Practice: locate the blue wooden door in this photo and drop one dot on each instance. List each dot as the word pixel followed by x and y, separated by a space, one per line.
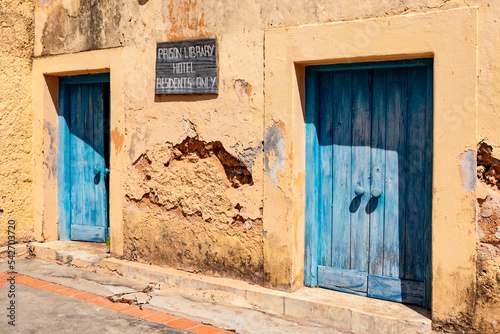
pixel 369 160
pixel 84 157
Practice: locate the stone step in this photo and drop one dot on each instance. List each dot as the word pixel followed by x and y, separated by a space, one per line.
pixel 21 251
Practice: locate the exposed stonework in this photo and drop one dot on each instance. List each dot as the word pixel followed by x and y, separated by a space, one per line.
pixel 487 308
pixel 183 211
pixel 488 166
pixel 236 171
pixel 487 299
pixel 488 194
pixel 16 129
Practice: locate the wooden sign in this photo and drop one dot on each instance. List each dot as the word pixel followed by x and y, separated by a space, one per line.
pixel 187 67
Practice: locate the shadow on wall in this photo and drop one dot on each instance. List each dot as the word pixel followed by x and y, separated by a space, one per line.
pixel 184 98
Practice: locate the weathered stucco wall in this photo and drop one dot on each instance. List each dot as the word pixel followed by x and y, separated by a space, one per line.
pixel 193 183
pixel 443 34
pixel 16 128
pixel 191 205
pixel 199 168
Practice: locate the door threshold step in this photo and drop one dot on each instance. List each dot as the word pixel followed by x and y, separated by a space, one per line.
pixel 75 253
pixel 344 312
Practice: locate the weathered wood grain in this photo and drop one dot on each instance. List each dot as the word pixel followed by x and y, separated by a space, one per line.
pixel 378 122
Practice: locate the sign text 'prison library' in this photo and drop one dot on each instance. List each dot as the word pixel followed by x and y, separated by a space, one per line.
pixel 187 67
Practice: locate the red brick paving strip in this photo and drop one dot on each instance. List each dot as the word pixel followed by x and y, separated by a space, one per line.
pixel 52 287
pixel 101 301
pixel 85 296
pixel 132 310
pixel 205 329
pixel 119 307
pixel 68 292
pixel 37 283
pixel 25 279
pixel 182 323
pixel 9 275
pixel 137 312
pixel 160 318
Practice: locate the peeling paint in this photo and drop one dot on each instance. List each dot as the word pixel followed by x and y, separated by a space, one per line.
pixel 44 2
pixel 190 129
pixel 248 154
pixel 274 152
pixel 51 158
pixel 117 139
pixel 184 210
pixel 180 23
pixel 468 170
pixel 243 88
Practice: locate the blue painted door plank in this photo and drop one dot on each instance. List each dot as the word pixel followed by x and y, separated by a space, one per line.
pixel 96 141
pixel 312 180
pixel 88 233
pixel 397 134
pixel 63 173
pixel 325 136
pixel 87 192
pixel 415 191
pixel 88 155
pixel 77 161
pixel 342 186
pixel 99 160
pixel 378 164
pixel 429 121
pixel 343 280
pixel 361 135
pixel 395 187
pixel 397 290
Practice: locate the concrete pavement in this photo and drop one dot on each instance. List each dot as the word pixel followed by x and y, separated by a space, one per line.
pixel 39 311
pixel 42 311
